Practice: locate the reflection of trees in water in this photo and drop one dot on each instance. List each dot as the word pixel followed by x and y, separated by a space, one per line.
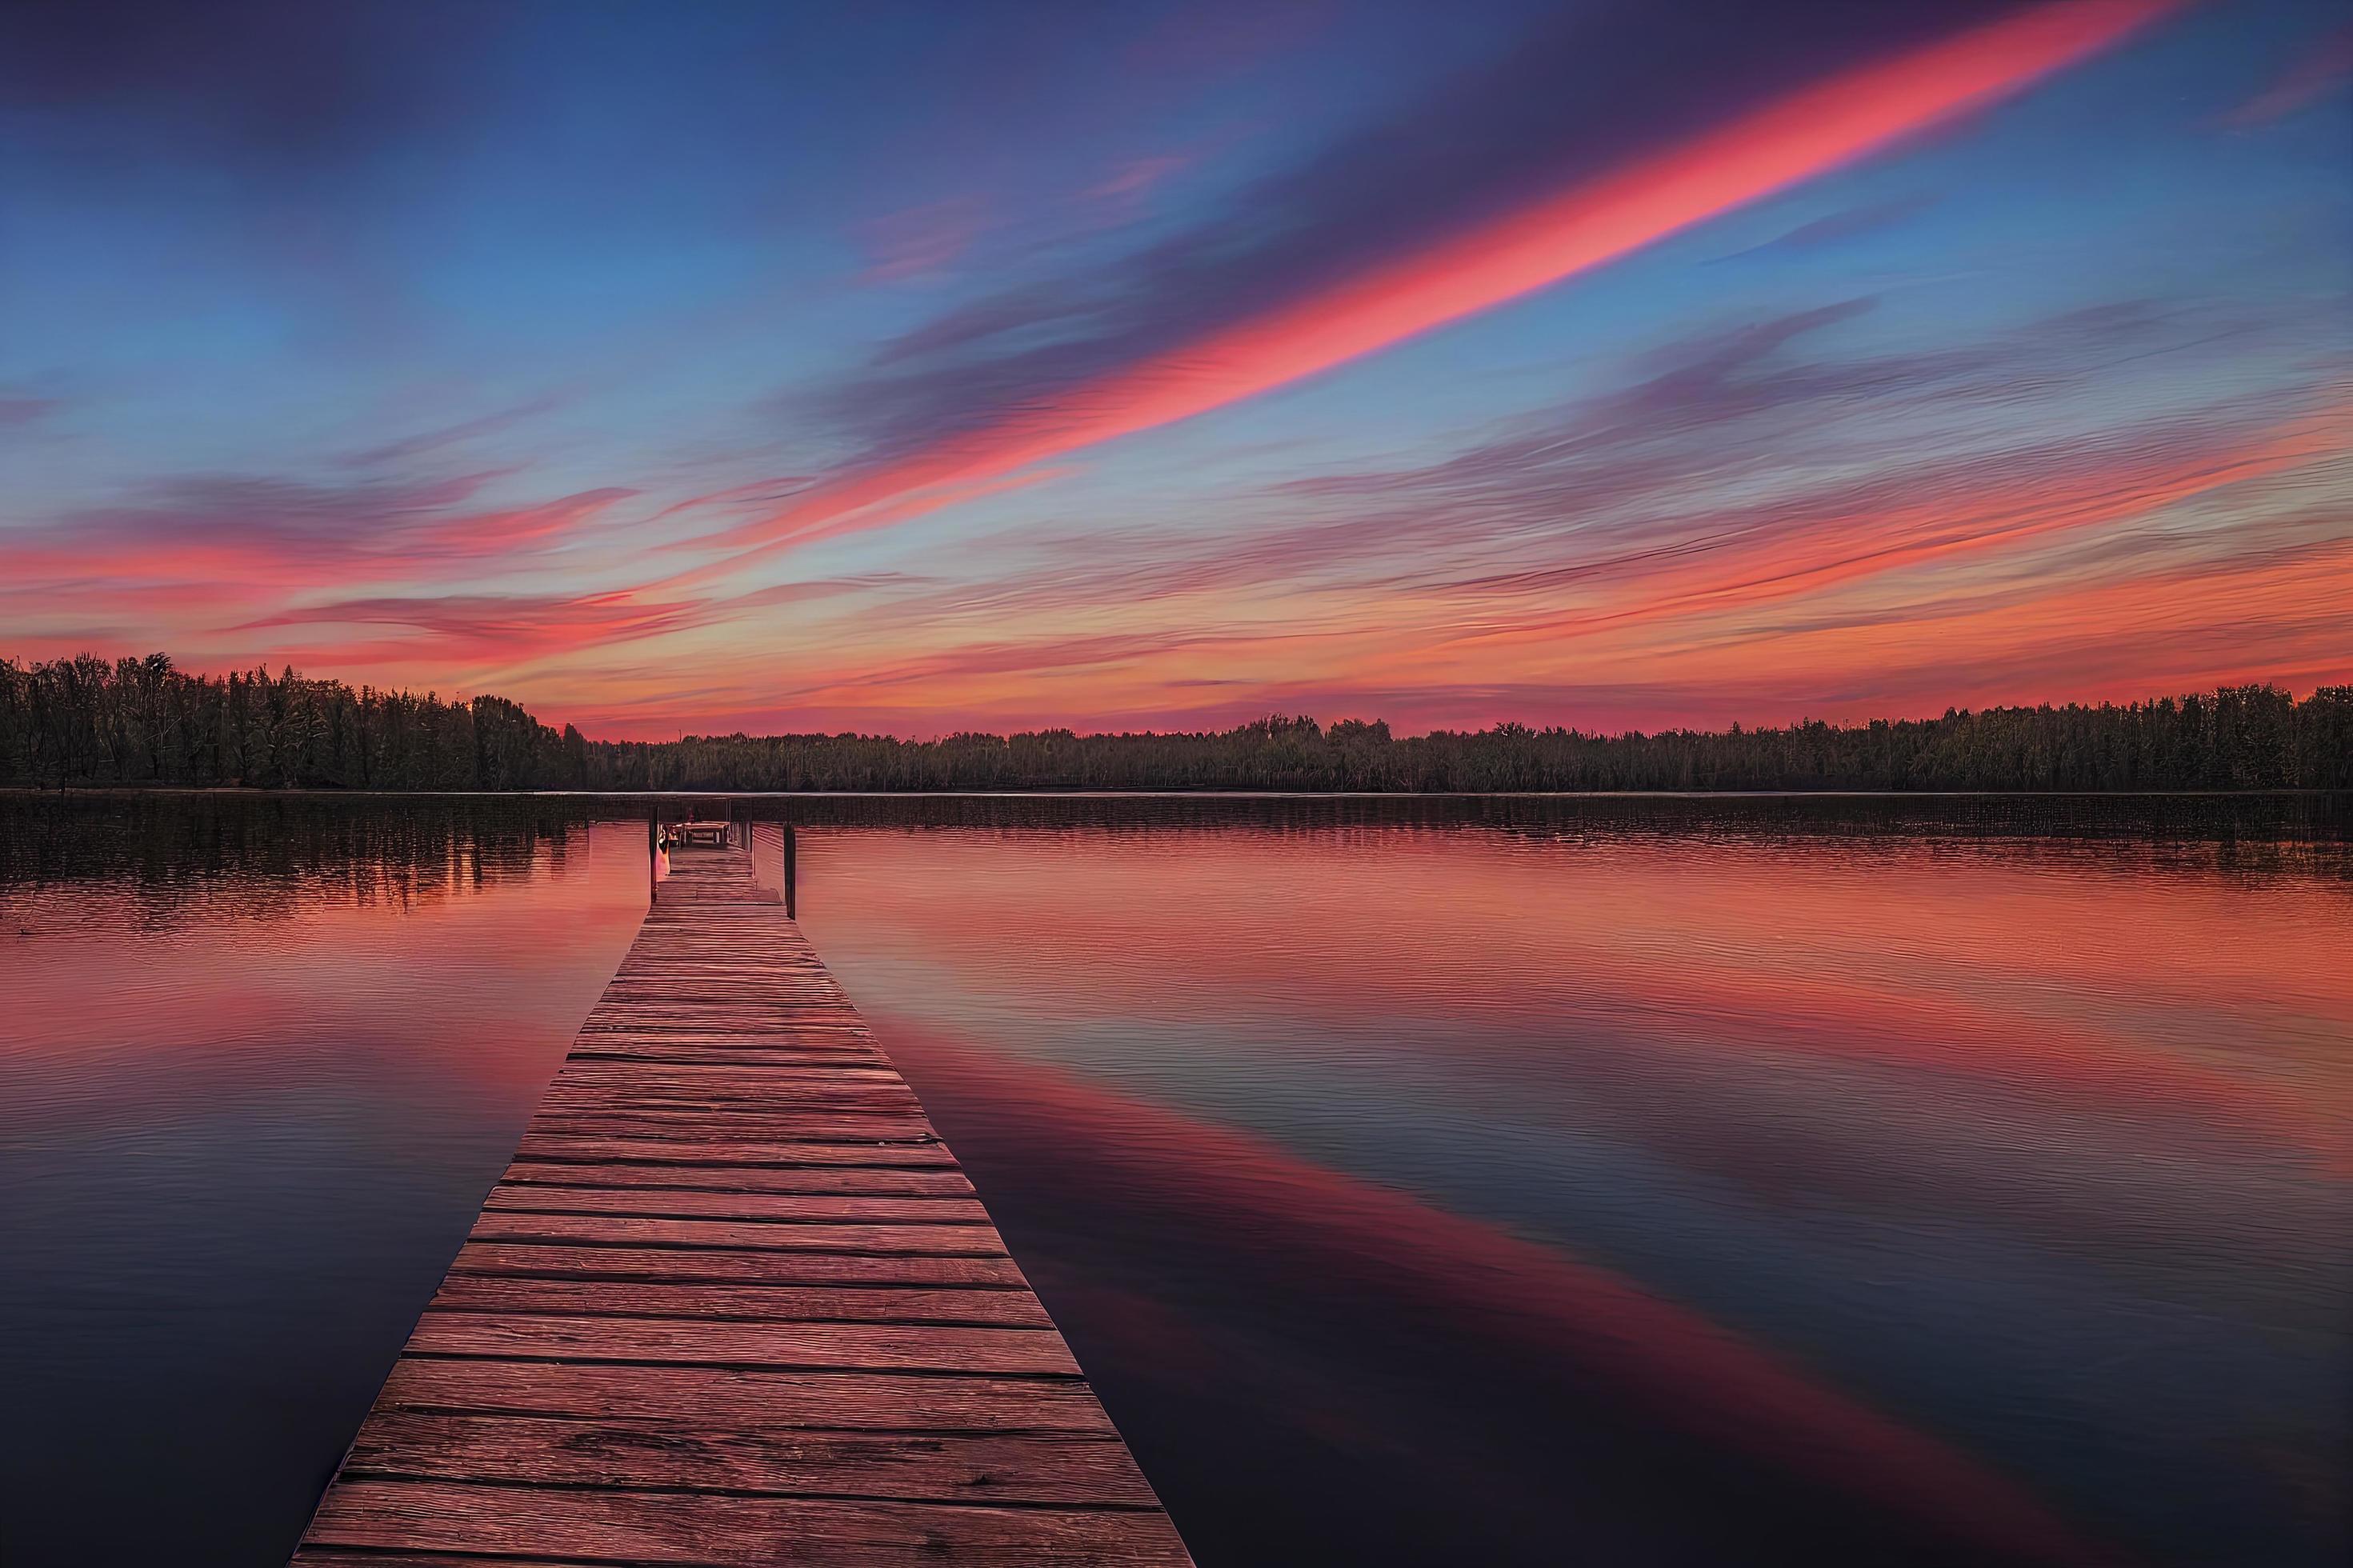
pixel 149 860
pixel 2255 818
pixel 154 862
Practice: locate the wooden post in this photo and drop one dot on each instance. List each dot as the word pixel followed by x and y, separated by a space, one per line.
pixel 653 857
pixel 791 869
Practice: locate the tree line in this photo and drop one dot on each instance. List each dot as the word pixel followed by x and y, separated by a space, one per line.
pixel 91 721
pixel 87 721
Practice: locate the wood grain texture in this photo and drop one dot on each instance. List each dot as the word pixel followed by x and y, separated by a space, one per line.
pixel 745 1398
pixel 810 1208
pixel 734 1302
pixel 613 1524
pixel 748 1303
pixel 681 1149
pixel 1076 1469
pixel 786 1344
pixel 742 1178
pixel 720 1266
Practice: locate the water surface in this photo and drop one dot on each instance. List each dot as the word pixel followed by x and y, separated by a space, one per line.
pixel 1493 1183
pixel 259 1062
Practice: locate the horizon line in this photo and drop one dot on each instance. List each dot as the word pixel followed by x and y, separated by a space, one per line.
pixel 461 698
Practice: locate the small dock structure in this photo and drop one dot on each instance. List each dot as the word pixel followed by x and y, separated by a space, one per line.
pixel 733 1304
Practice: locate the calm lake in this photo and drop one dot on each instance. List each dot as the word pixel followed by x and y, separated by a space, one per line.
pixel 1504 1182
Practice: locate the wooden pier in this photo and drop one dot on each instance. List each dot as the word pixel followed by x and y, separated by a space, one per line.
pixel 733 1304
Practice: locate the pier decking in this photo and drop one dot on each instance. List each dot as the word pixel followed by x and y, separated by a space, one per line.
pixel 733 1303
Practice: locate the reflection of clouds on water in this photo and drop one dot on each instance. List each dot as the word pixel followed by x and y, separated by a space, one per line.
pixel 1323 1228
pixel 1758 1180
pixel 256 1071
pixel 2036 1148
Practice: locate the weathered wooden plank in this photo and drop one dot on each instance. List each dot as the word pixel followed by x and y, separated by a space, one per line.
pixel 732 1302
pixel 653 1149
pixel 743 1080
pixel 898 1347
pixel 841 1094
pixel 750 1074
pixel 714 1265
pixel 780 1018
pixel 812 1048
pixel 812 1179
pixel 728 1531
pixel 1000 1308
pixel 625 1451
pixel 744 1235
pixel 861 1092
pixel 783 1019
pixel 655 1052
pixel 766 997
pixel 784 1015
pixel 745 1074
pixel 781 1126
pixel 736 1079
pixel 852 1111
pixel 778 993
pixel 817 1208
pixel 846 1097
pixel 747 1398
pixel 696 952
pixel 677 979
pixel 327 1557
pixel 801 1022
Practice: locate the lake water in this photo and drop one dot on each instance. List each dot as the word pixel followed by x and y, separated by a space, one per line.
pixel 1477 1182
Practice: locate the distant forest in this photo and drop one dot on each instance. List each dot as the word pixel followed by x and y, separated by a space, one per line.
pixel 88 721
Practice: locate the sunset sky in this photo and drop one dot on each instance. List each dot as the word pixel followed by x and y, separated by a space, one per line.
pixel 918 368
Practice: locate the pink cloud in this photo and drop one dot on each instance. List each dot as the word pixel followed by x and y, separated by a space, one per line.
pixel 1594 221
pixel 921 241
pixel 1134 180
pixel 2326 66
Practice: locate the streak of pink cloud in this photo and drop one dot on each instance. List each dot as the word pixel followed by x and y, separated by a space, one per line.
pixel 1595 221
pixel 920 241
pixel 1835 549
pixel 1134 179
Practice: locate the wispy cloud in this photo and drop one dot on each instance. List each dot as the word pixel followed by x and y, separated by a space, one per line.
pixel 465 629
pixel 203 554
pixel 1596 217
pixel 2325 67
pixel 1758 518
pixel 18 411
pixel 438 436
pixel 921 241
pixel 1835 229
pixel 1134 180
pixel 1938 479
pixel 263 530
